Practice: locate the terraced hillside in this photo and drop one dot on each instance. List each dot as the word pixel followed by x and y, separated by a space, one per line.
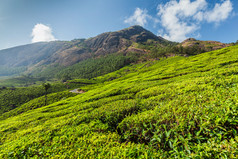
pixel 179 107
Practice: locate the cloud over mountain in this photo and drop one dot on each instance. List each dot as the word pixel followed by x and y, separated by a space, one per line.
pixel 181 18
pixel 41 32
pixel 219 13
pixel 140 17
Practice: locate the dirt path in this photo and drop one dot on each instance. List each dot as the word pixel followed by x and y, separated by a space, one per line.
pixel 77 91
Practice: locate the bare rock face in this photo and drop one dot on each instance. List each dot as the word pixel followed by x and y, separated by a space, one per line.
pixel 112 42
pixel 104 44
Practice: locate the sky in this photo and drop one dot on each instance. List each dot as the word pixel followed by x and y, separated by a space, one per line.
pixel 28 21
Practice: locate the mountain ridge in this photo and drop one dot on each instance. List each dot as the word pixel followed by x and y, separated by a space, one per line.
pixel 134 39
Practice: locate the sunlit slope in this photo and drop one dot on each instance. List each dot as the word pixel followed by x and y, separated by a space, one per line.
pixel 176 107
pixel 37 103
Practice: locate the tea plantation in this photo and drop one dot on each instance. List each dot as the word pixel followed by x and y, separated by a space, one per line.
pixel 179 107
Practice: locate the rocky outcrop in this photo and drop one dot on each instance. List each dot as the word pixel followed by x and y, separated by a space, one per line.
pixel 104 44
pixel 112 42
pixel 205 45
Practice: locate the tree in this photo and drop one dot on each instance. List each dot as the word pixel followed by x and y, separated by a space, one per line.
pixel 46 87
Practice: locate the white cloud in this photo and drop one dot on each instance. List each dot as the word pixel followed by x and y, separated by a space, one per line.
pixel 182 18
pixel 41 32
pixel 140 17
pixel 220 12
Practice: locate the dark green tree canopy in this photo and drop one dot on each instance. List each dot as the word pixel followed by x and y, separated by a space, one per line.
pixel 46 86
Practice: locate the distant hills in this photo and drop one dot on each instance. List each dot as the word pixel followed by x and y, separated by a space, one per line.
pixel 206 45
pixel 36 57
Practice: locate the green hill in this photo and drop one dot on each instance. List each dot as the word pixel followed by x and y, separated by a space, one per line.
pixel 178 107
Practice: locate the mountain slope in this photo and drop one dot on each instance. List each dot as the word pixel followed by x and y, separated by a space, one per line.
pixel 205 45
pixel 29 54
pixel 38 56
pixel 104 44
pixel 180 107
pixel 17 60
pixel 68 53
pixel 119 41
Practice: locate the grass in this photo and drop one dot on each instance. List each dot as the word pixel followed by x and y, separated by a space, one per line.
pixel 180 107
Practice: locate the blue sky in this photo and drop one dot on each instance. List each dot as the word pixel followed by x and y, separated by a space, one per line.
pixel 27 21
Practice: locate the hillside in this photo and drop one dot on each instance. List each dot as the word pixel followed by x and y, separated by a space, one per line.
pixel 17 60
pixel 67 53
pixel 205 45
pixel 177 107
pixel 13 97
pixel 136 44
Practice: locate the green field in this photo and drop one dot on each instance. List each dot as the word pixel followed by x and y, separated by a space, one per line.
pixel 178 107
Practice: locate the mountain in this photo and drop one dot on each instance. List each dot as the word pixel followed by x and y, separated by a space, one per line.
pixel 104 44
pixel 71 52
pixel 19 59
pixel 30 54
pixel 48 58
pixel 37 57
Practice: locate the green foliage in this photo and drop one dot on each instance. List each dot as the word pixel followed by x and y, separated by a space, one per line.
pixel 95 67
pixel 46 86
pixel 7 71
pixel 37 103
pixel 20 81
pixel 88 68
pixel 179 107
pixel 157 52
pixel 11 98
